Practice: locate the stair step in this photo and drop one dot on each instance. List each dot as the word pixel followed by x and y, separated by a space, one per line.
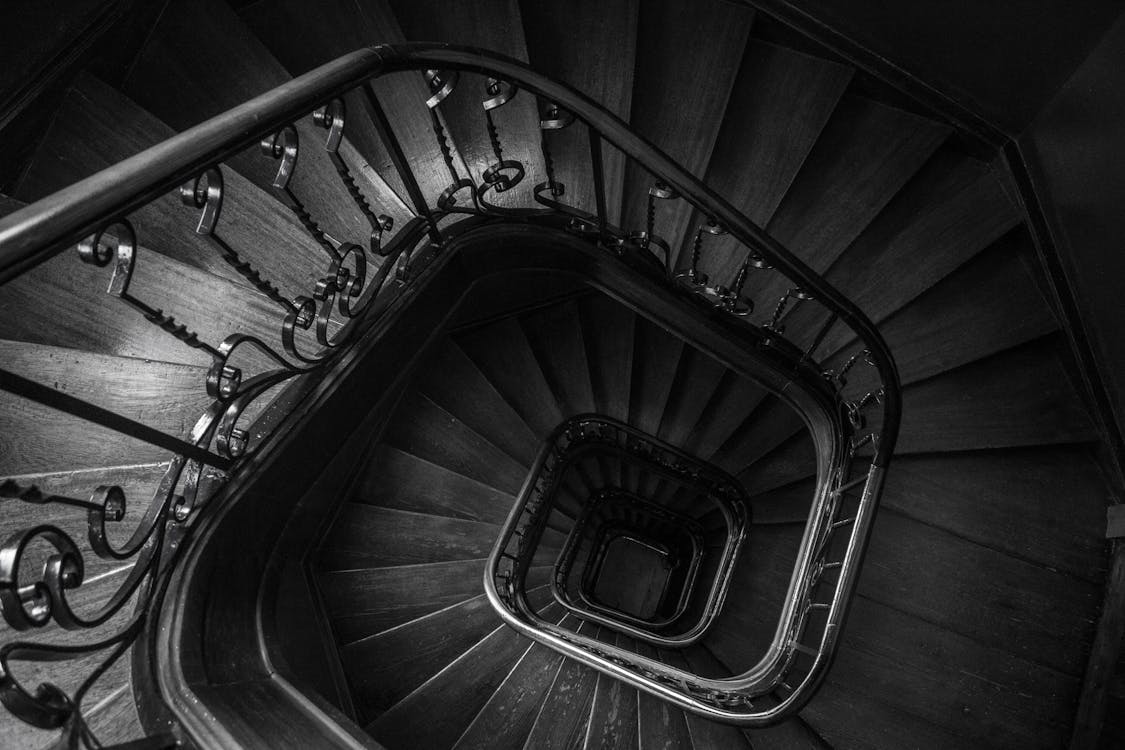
pixel 984 696
pixel 655 359
pixel 989 305
pixel 365 536
pixel 687 61
pixel 954 208
pixel 385 668
pixel 396 479
pixel 791 733
pixel 555 336
pixel 565 713
pixel 981 405
pixel 28 313
pixel 501 351
pixel 864 156
pixel 506 719
pixel 1013 605
pixel 456 694
pixel 844 716
pixel 973 407
pixel 696 381
pixel 451 380
pixel 1009 501
pixel 659 724
pixel 493 25
pixel 608 329
pixel 424 429
pixel 784 98
pixel 167 80
pixel 166 396
pixel 613 715
pixel 745 627
pixel 96 127
pixel 362 603
pixel 727 412
pixel 338 28
pixel 600 67
pixel 705 735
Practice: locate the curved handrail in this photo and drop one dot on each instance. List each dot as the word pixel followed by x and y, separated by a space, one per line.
pixel 32 234
pixel 103 201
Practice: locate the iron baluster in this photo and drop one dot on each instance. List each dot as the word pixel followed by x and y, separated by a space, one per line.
pixel 793 294
pixel 503 174
pixel 206 192
pixel 284 146
pixel 96 252
pixel 399 160
pixel 441 84
pixel 332 119
pixel 598 168
pixel 648 237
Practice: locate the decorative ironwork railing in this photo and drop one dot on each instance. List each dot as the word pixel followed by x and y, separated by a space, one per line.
pixel 360 275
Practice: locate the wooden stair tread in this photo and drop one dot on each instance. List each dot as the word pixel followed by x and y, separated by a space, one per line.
pixel 385 668
pixel 506 719
pixel 727 411
pixel 503 354
pixel 451 380
pixel 602 68
pixel 696 381
pixel 555 336
pixel 608 330
pixel 844 717
pixel 362 603
pixel 791 733
pixel 613 715
pixel 705 734
pixel 396 479
pixel 783 98
pixel 935 674
pixel 744 628
pixel 365 536
pixel 424 429
pixel 29 315
pixel 494 25
pixel 954 208
pixel 166 396
pixel 974 407
pixel 655 361
pixel 564 714
pixel 981 406
pixel 1009 501
pixel 864 156
pixel 989 305
pixel 338 28
pixel 659 725
pixel 456 694
pixel 97 127
pixel 167 81
pixel 686 63
pixel 1000 601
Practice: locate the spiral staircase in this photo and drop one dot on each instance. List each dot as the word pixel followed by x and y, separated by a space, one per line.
pixel 345 583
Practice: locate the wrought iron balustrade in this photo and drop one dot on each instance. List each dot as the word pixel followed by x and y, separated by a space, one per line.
pixel 356 283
